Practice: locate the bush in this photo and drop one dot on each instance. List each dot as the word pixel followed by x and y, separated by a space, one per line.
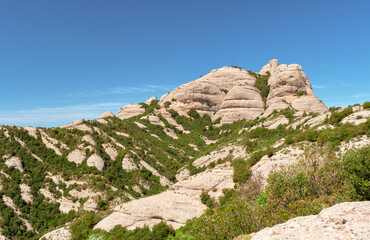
pixel 301 93
pixel 242 171
pixel 366 105
pixel 204 197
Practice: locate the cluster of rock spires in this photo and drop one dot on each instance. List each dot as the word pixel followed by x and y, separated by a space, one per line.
pixel 230 93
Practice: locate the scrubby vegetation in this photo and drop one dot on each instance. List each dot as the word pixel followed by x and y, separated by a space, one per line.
pixel 318 181
pixel 300 190
pixel 262 86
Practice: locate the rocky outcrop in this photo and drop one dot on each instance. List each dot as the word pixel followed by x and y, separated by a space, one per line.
pixel 230 93
pixel 130 111
pixel 95 161
pixel 284 157
pixel 128 164
pixel 241 102
pixel 58 234
pixel 290 85
pixel 175 206
pixel 88 138
pixel 349 220
pixel 76 156
pixel 79 124
pixel 14 162
pixel 110 150
pixel 357 117
pixel 149 100
pixel 106 114
pixel 206 94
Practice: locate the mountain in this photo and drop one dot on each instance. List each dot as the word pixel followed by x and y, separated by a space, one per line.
pixel 171 160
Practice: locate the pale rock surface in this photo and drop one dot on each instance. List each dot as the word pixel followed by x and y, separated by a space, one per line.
pixel 285 81
pixel 122 134
pixel 284 157
pixel 241 102
pixel 76 156
pixel 65 206
pixel 354 143
pixel 163 180
pixel 154 120
pixel 171 133
pixel 110 150
pixel 317 120
pixel 128 164
pixel 207 93
pixel 26 193
pixel 106 114
pixel 184 173
pixel 232 150
pixel 88 138
pixel 280 105
pixel 149 100
pixel 357 117
pixel 79 124
pixel 14 162
pixel 52 142
pixel 169 119
pixel 58 234
pixel 348 220
pixel 32 131
pixel 103 121
pixel 270 67
pixel 130 111
pixel 179 203
pixel 95 161
pixel 274 123
pixel 140 125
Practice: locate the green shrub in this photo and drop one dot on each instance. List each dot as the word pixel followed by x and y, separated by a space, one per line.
pixel 301 93
pixel 242 171
pixel 262 86
pixel 366 105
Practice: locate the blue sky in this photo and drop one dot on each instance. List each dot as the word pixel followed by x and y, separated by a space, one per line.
pixel 66 60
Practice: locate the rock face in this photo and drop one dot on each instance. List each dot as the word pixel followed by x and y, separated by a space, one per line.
pixel 242 101
pixel 79 124
pixel 230 93
pixel 179 203
pixel 130 111
pixel 76 156
pixel 95 161
pixel 14 162
pixel 290 86
pixel 58 234
pixel 349 220
pixel 107 114
pixel 206 94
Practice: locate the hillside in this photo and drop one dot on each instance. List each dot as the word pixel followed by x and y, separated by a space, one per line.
pixel 170 159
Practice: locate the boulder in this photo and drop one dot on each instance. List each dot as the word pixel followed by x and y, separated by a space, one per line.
pixel 76 156
pixel 348 220
pixel 149 100
pixel 289 84
pixel 241 102
pixel 95 161
pixel 128 164
pixel 179 203
pixel 130 111
pixel 14 162
pixel 106 114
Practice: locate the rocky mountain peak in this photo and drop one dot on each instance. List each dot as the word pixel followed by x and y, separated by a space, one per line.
pixel 270 67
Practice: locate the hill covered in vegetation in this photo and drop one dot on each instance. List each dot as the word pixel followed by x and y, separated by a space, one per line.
pixel 193 165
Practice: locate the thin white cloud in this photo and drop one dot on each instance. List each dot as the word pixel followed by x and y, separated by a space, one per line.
pixel 121 90
pixel 57 116
pixel 362 95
